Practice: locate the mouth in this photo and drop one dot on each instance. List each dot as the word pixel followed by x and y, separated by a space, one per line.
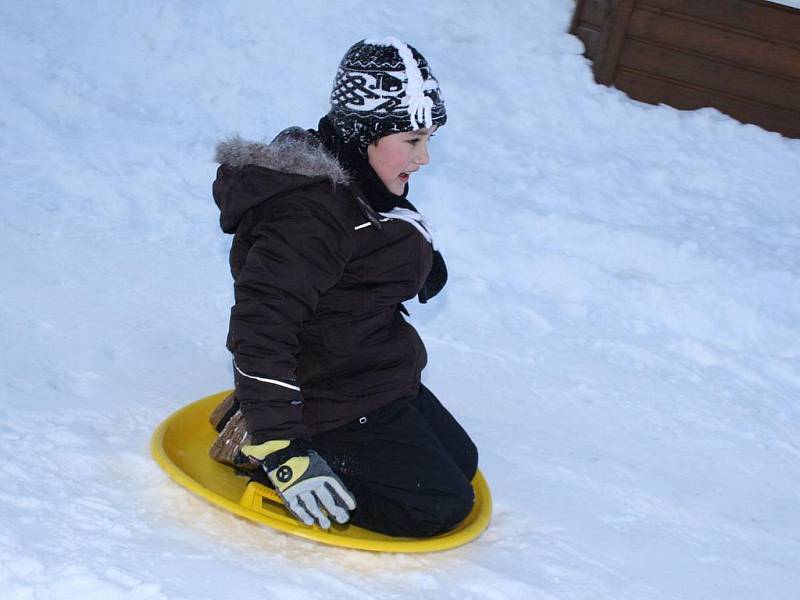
pixel 404 177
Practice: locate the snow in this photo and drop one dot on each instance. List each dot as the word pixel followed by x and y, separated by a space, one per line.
pixel 619 333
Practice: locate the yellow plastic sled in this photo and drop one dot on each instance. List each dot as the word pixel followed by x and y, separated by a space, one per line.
pixel 181 443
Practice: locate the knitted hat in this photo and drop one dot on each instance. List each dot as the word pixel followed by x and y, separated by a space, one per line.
pixel 383 87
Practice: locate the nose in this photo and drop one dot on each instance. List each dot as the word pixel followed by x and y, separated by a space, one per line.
pixel 422 157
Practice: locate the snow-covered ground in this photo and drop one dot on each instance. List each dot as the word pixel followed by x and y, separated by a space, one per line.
pixel 620 333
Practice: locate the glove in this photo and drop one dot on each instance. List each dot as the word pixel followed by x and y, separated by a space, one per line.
pixel 309 488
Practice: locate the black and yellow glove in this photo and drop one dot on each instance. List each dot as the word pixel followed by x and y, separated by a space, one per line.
pixel 309 488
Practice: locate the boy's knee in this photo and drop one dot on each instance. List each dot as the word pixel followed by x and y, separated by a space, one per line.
pixel 443 513
pixel 418 513
pixel 458 506
pixel 469 464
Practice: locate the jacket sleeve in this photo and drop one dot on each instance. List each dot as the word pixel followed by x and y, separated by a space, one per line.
pixel 299 252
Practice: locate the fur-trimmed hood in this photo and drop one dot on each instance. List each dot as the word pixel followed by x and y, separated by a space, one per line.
pixel 295 158
pixel 294 150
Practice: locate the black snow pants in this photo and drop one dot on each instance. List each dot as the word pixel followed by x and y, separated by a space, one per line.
pixel 409 465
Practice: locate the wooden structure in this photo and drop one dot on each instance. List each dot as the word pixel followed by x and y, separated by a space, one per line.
pixel 739 56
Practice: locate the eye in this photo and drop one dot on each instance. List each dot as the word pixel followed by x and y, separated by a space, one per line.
pixel 413 141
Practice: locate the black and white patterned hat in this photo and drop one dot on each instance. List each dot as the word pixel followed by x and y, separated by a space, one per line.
pixel 383 87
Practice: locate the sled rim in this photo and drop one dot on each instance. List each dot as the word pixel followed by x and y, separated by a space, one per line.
pixel 348 536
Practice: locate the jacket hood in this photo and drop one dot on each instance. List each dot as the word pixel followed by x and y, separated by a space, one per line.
pixel 253 172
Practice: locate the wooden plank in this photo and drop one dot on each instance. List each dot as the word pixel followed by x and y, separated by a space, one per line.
pixel 709 73
pixel 700 37
pixel 612 40
pixel 576 17
pixel 591 40
pixel 589 12
pixel 655 90
pixel 587 24
pixel 765 19
pixel 594 12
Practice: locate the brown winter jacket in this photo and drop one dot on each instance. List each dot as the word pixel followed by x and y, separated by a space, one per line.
pixel 316 331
